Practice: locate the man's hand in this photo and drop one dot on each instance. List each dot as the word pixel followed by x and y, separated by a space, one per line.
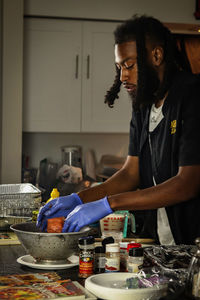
pixel 59 207
pixel 86 214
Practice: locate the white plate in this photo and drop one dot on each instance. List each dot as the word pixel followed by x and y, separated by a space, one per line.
pixel 29 261
pixel 109 286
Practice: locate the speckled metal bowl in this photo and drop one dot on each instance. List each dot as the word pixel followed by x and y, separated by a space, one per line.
pixel 48 248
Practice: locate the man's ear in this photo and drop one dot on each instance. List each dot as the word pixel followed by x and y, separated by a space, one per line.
pixel 157 56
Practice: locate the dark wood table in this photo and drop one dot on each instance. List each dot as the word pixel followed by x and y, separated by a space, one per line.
pixel 9 264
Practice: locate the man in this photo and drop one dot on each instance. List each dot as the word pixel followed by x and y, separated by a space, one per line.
pixel 161 175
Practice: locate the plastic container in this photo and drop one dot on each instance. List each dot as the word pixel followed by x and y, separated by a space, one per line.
pixel 135 259
pixel 112 222
pixel 112 263
pixel 54 194
pixel 86 256
pixel 117 235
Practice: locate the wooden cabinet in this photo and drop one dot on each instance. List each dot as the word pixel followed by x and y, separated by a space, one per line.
pixel 68 67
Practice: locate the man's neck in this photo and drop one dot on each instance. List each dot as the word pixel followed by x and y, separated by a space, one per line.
pixel 161 101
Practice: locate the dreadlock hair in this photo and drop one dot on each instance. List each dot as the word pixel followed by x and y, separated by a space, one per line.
pixel 141 29
pixel 112 94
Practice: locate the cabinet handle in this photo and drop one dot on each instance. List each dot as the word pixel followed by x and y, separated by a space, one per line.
pixel 77 62
pixel 88 66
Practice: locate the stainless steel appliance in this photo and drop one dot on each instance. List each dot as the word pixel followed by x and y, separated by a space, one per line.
pixel 72 156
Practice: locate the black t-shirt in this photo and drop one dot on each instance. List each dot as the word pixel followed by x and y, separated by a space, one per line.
pixel 175 142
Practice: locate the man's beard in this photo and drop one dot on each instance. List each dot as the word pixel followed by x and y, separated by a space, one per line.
pixel 147 88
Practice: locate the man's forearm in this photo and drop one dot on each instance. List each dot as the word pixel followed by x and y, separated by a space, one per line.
pixel 180 188
pixel 120 182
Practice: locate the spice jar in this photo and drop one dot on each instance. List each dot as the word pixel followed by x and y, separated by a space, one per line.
pixel 135 259
pixel 123 255
pixel 86 256
pixel 133 245
pixel 112 263
pixel 99 262
pixel 130 246
pixel 107 240
pixel 124 250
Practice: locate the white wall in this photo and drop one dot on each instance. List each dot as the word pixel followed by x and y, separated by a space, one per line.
pixel 38 145
pixel 48 145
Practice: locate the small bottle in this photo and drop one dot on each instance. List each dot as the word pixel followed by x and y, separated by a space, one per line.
pixel 124 250
pixel 107 240
pixel 112 263
pixel 123 255
pixel 86 256
pixel 135 259
pixel 130 246
pixel 54 194
pixel 133 245
pixel 99 260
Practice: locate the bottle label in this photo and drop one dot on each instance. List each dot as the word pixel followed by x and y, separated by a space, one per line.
pixel 123 259
pixel 100 262
pixel 86 262
pixel 112 265
pixel 133 268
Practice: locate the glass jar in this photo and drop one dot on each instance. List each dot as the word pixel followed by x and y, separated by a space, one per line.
pixel 86 256
pixel 112 263
pixel 123 255
pixel 135 259
pixel 99 260
pixel 193 288
pixel 133 245
pixel 129 246
pixel 107 240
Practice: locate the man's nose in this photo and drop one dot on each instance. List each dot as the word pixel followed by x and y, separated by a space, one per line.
pixel 123 75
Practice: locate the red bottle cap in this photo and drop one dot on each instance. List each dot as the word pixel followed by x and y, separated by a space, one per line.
pixel 133 245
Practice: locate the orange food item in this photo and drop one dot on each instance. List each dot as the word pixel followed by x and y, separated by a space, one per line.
pixel 55 225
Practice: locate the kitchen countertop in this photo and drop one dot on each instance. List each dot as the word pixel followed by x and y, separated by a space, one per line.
pixel 9 265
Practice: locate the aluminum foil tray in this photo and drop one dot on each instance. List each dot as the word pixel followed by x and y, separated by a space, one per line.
pixel 18 200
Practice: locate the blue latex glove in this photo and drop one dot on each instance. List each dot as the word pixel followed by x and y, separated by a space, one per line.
pixel 58 207
pixel 86 214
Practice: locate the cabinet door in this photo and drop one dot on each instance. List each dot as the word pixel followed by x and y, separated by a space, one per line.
pixel 52 75
pixel 98 77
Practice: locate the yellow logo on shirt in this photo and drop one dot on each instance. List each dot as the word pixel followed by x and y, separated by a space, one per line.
pixel 173 126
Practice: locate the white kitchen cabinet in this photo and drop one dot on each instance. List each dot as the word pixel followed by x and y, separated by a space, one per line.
pixel 98 77
pixel 68 67
pixel 52 70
